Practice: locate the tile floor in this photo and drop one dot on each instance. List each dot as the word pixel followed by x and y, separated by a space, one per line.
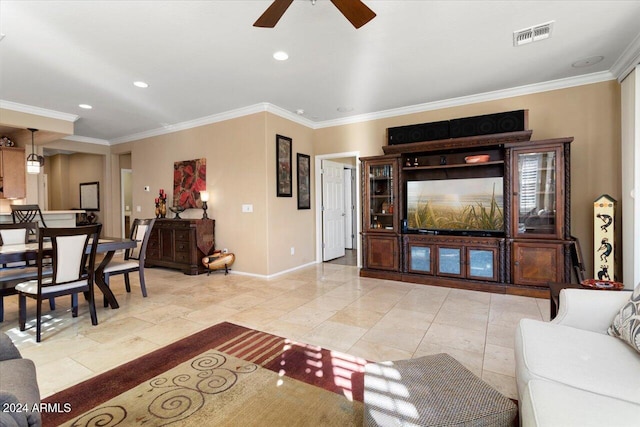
pixel 327 305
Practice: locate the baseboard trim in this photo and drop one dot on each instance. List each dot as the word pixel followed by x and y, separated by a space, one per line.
pixel 272 276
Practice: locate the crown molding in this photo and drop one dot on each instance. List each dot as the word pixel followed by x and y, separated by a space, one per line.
pixel 88 140
pixel 28 109
pixel 473 99
pixel 190 124
pixel 215 118
pixel 627 61
pixel 286 114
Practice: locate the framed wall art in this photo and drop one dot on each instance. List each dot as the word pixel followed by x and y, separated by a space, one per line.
pixel 283 166
pixel 189 179
pixel 304 181
pixel 90 196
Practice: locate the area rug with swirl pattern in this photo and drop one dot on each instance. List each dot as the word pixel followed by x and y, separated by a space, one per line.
pixel 225 375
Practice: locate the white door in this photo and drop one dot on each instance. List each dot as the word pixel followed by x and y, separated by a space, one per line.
pixel 332 210
pixel 349 209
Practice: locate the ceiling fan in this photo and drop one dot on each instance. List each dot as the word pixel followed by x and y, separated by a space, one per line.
pixel 354 10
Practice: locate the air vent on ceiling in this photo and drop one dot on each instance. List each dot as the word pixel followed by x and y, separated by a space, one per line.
pixel 532 34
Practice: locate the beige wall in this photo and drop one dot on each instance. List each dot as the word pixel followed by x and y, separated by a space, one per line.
pixel 57 167
pixel 589 113
pixel 287 227
pixel 236 155
pixel 65 174
pixel 49 129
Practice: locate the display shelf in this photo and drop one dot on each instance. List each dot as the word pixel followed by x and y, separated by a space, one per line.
pixel 450 166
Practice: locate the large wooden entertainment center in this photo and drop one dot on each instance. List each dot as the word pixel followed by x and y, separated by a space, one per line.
pixel 532 247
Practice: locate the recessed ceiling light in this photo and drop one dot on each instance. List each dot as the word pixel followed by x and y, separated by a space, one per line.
pixel 85 106
pixel 345 109
pixel 140 84
pixel 587 62
pixel 281 55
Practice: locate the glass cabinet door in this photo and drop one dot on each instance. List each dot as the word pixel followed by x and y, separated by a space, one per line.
pixel 381 196
pixel 449 261
pixel 420 260
pixel 537 204
pixel 481 263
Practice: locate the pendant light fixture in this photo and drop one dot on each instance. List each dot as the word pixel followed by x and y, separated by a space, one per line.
pixel 33 160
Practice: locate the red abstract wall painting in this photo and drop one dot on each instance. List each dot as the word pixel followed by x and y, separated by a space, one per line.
pixel 189 179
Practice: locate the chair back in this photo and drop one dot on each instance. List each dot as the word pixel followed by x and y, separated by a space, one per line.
pixel 140 232
pixel 27 213
pixel 72 254
pixel 16 234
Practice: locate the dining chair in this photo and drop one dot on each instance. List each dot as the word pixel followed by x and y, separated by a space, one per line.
pixel 134 257
pixel 27 213
pixel 73 272
pixel 15 272
pixel 13 234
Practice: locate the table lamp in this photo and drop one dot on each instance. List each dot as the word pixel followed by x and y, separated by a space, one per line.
pixel 204 196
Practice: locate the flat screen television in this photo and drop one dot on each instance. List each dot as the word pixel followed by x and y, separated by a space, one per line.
pixel 458 206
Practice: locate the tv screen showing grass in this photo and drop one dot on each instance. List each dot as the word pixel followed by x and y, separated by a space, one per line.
pixel 456 204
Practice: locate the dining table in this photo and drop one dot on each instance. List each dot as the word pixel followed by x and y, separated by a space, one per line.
pixel 106 245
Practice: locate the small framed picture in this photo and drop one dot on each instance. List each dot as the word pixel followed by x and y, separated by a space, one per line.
pixel 283 166
pixel 90 196
pixel 304 181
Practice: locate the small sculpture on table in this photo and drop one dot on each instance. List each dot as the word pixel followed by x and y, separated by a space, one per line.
pixel 161 204
pixel 177 210
pixel 219 260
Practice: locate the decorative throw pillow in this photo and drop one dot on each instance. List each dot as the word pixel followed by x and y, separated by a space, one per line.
pixel 626 324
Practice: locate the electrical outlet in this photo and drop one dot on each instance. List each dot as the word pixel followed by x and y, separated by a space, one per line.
pixel 293 250
pixel 247 208
pixel 138 209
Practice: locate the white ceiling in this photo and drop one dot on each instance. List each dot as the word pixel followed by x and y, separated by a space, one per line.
pixel 203 58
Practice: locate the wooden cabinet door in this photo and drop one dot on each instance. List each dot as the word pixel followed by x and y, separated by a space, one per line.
pixel 382 252
pixel 167 249
pixel 537 263
pixel 14 166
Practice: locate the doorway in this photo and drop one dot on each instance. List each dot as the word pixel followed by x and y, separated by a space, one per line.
pixel 326 230
pixel 126 200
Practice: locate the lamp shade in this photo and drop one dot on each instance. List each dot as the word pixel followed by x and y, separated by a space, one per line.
pixel 33 164
pixel 204 196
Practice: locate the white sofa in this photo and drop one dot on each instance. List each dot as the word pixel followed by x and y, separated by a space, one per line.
pixel 569 372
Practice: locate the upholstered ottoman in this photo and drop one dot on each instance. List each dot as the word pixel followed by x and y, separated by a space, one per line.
pixel 432 391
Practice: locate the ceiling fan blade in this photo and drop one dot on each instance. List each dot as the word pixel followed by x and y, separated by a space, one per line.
pixel 355 11
pixel 272 15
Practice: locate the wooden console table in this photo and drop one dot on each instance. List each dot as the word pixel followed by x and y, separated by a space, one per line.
pixel 181 244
